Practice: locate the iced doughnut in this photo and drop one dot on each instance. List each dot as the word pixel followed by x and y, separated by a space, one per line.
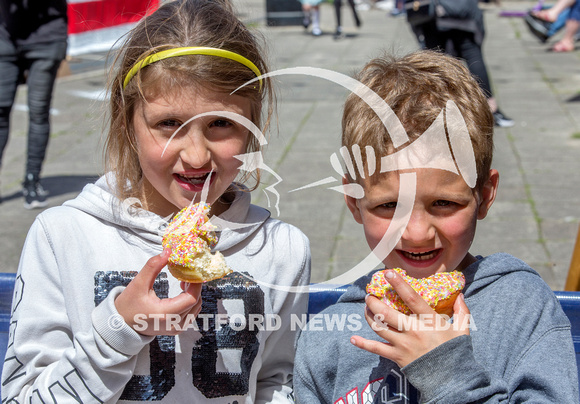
pixel 191 238
pixel 439 290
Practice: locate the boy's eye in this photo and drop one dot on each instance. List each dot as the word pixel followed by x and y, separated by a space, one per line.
pixel 389 205
pixel 442 203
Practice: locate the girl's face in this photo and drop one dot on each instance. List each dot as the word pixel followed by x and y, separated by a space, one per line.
pixel 201 150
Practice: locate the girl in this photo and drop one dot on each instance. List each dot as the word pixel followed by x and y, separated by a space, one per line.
pixel 95 318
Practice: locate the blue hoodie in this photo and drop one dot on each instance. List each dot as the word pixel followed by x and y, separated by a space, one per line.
pixel 519 349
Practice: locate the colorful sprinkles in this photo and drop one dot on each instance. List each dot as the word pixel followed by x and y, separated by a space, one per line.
pixel 189 234
pixel 433 289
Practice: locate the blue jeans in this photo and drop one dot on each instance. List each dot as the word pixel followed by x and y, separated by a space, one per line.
pixel 41 61
pixel 572 12
pixel 559 23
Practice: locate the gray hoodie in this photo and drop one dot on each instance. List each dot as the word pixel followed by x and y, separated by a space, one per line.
pixel 67 342
pixel 519 350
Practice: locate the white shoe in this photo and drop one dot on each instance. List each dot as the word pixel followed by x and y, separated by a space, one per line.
pixel 385 5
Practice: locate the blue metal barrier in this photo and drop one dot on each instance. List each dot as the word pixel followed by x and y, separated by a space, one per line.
pixel 321 296
pixel 570 302
pixel 6 290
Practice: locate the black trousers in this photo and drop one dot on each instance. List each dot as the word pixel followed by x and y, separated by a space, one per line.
pixel 41 62
pixel 460 44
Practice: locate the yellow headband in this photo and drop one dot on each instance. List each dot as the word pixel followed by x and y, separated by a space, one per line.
pixel 196 50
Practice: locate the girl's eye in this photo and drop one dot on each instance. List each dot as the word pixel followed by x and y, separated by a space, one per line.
pixel 170 123
pixel 220 123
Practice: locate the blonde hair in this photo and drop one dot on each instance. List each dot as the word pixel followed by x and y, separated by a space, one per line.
pixel 175 24
pixel 416 87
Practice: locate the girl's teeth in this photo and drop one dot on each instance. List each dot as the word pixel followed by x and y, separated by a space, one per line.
pixel 194 180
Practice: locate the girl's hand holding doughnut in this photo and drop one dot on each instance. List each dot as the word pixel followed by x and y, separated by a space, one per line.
pixel 138 303
pixel 407 337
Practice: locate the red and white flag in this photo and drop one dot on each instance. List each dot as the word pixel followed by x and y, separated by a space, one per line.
pixel 96 25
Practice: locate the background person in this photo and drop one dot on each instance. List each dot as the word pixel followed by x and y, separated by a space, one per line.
pixel 338 34
pixel 459 31
pixel 33 43
pixel 311 10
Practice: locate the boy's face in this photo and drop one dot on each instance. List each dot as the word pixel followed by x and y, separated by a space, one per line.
pixel 442 224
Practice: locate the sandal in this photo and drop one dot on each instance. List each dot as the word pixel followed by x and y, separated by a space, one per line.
pixel 543 15
pixel 562 47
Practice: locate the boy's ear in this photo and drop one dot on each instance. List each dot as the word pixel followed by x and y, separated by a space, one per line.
pixel 352 204
pixel 488 193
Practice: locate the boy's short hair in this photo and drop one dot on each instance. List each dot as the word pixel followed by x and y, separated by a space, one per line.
pixel 417 87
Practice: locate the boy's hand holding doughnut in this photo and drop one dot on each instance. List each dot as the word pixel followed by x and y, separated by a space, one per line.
pixel 409 337
pixel 139 300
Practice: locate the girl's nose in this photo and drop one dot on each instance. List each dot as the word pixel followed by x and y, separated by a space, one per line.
pixel 195 150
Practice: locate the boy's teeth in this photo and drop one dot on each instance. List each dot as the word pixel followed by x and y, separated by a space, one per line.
pixel 420 256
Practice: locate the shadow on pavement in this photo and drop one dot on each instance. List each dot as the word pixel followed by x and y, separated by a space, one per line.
pixel 58 185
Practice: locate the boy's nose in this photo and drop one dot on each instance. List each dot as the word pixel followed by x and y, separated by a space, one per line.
pixel 419 230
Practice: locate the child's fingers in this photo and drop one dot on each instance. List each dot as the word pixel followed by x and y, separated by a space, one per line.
pixel 146 277
pixel 461 315
pixel 383 349
pixel 184 317
pixel 379 312
pixel 195 310
pixel 182 303
pixel 382 318
pixel 193 289
pixel 411 298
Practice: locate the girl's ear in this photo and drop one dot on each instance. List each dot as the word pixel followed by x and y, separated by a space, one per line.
pixel 488 193
pixel 352 204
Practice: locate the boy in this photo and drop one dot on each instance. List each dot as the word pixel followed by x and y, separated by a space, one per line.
pixel 510 340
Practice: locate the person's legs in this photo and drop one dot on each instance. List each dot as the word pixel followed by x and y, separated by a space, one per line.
pixel 44 61
pixel 551 14
pixel 316 31
pixel 338 18
pixel 9 74
pixel 399 8
pixel 337 13
pixel 559 23
pixel 357 20
pixel 41 77
pixel 470 51
pixel 567 43
pixel 467 49
pixel 307 11
pixel 432 38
